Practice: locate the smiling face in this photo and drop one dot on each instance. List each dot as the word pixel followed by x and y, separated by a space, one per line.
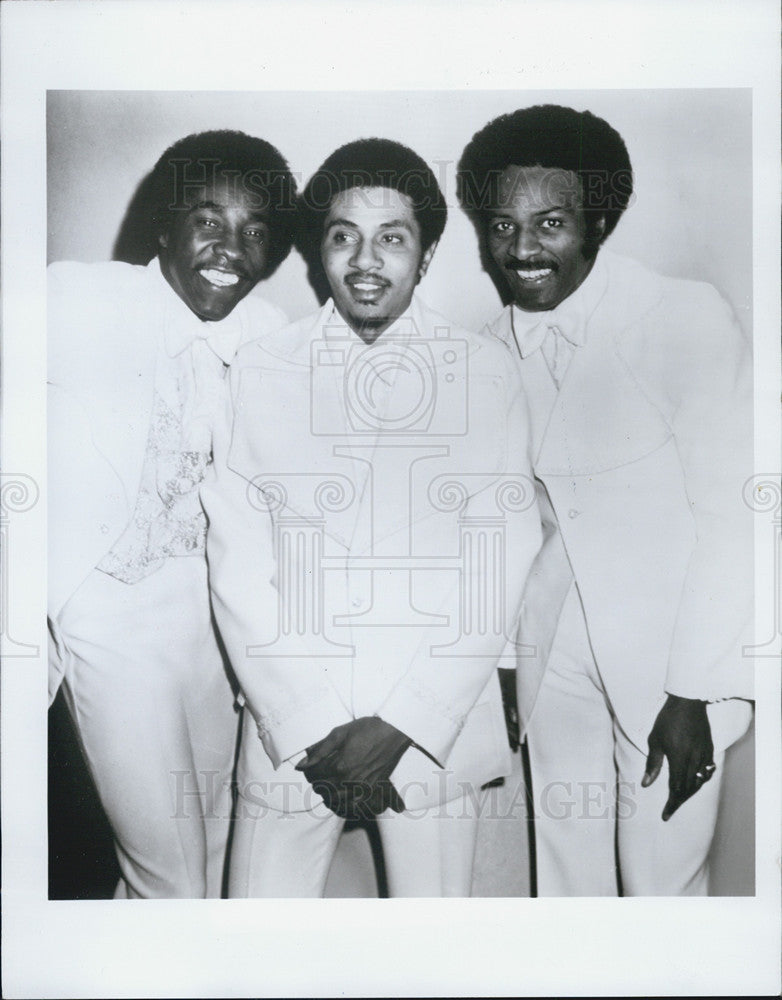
pixel 537 235
pixel 216 251
pixel 372 256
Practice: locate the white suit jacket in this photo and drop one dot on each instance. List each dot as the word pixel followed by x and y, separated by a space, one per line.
pixel 367 555
pixel 642 456
pixel 106 324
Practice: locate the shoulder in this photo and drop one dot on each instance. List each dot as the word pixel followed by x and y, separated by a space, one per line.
pixel 278 344
pixel 70 276
pixel 95 312
pixel 485 352
pixel 262 317
pixel 107 294
pixel 683 335
pixel 680 305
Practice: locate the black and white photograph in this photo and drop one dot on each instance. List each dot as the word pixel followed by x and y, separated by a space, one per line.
pixel 390 510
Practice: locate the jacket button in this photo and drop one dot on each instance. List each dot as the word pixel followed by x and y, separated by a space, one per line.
pixel 104 529
pixel 573 513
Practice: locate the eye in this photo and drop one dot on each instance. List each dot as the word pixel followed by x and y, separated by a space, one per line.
pixel 340 237
pixel 393 238
pixel 206 223
pixel 259 235
pixel 501 227
pixel 552 223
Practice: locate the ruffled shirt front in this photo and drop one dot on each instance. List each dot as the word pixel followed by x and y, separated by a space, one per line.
pixel 167 520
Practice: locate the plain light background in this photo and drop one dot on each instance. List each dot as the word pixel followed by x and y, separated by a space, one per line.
pixel 691 150
pixel 513 947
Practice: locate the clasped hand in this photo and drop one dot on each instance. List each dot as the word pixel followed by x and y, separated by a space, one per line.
pixel 681 733
pixel 351 767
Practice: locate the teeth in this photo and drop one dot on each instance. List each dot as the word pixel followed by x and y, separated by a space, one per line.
pixel 534 275
pixel 219 278
pixel 366 287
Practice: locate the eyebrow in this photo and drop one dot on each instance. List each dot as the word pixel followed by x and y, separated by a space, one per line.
pixel 393 224
pixel 259 214
pixel 504 212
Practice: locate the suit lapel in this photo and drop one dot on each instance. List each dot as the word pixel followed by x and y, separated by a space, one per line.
pixel 600 417
pixel 290 423
pixel 120 383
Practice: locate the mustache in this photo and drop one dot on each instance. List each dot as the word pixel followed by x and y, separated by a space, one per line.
pixel 354 276
pixel 514 264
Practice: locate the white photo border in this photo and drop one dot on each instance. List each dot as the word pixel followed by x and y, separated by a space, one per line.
pixel 506 947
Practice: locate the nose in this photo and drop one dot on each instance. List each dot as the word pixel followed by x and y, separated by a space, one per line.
pixel 526 243
pixel 229 245
pixel 365 256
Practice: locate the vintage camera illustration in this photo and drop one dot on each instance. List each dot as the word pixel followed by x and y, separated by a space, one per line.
pixel 408 384
pixel 401 519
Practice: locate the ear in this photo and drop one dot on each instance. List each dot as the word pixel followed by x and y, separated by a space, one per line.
pixel 163 240
pixel 426 259
pixel 600 228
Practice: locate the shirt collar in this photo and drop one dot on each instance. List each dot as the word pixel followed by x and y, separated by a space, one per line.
pixel 570 317
pixel 404 329
pixel 181 326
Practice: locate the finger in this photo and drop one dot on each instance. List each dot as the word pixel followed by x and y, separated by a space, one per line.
pixel 670 808
pixel 360 796
pixel 678 799
pixel 654 763
pixel 396 802
pixel 699 778
pixel 320 750
pixel 702 768
pixel 685 781
pixel 332 796
pixel 387 797
pixel 327 766
pixel 678 791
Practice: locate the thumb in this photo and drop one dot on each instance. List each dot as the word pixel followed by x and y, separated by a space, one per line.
pixel 654 763
pixel 395 800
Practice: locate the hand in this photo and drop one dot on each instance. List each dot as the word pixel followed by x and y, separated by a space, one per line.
pixel 351 767
pixel 681 733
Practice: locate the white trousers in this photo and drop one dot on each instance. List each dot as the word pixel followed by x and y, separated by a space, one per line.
pixel 275 854
pixel 153 709
pixel 596 829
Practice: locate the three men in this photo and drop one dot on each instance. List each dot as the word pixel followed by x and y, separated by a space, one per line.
pixel 372 524
pixel 370 530
pixel 641 405
pixel 137 356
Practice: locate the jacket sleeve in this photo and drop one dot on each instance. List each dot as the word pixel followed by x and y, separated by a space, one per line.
pixel 431 701
pixel 290 697
pixel 710 395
